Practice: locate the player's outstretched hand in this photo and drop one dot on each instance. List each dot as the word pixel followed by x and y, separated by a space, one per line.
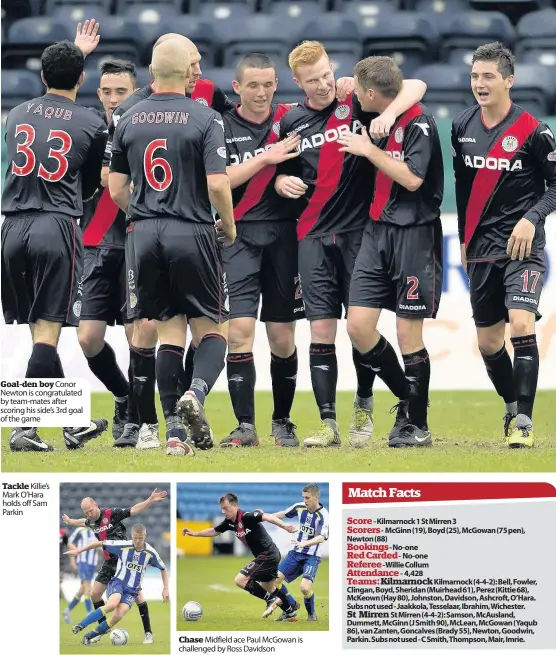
pixel 158 495
pixel 356 144
pixel 87 36
pixel 66 519
pixel 283 150
pixel 344 86
pixel 291 528
pixel 72 552
pixel 223 236
pixel 186 531
pixel 165 595
pixel 521 240
pixel 292 187
pixel 381 125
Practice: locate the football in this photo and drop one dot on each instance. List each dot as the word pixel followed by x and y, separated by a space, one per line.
pixel 118 637
pixel 192 611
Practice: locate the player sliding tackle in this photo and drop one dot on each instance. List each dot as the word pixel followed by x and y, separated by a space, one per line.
pixel 399 265
pixel 504 159
pixel 334 189
pixel 259 576
pixel 125 587
pixel 178 170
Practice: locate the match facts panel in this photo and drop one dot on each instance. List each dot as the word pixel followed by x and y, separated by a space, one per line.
pixel 449 565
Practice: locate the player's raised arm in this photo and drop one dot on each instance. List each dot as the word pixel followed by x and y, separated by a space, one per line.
pixel 75 523
pixel 207 532
pixel 78 551
pixel 411 93
pixel 155 497
pixel 87 37
pixel 271 518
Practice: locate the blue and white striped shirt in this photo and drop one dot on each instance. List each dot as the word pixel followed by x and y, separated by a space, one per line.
pixel 311 524
pixel 82 537
pixel 132 563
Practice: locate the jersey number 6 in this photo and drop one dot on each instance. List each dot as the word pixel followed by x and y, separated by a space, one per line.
pixel 150 164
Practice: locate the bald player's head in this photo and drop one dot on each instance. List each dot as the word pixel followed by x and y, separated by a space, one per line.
pixel 170 64
pixel 195 57
pixel 90 508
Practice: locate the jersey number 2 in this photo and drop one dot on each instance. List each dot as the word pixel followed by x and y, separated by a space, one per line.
pixel 412 292
pixel 30 160
pixel 150 163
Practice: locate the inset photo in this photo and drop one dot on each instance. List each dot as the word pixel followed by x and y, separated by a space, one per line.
pixel 253 556
pixel 115 568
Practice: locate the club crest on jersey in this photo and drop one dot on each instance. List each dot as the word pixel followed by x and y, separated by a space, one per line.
pixel 551 156
pixel 398 136
pixel 510 144
pixel 222 152
pixel 104 520
pixel 132 300
pixel 342 111
pixel 77 308
pixel 202 101
pixel 276 128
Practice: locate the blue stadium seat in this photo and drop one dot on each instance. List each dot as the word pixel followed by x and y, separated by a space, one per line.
pixel 343 65
pixel 262 33
pixel 78 13
pixel 98 7
pixel 543 57
pixel 196 5
pixel 463 32
pixel 224 10
pixel 367 10
pixel 20 85
pixel 124 38
pixel 200 31
pixel 514 9
pixel 223 78
pixel 409 37
pixel 295 10
pixel 161 5
pixel 343 5
pixel 448 88
pixel 534 88
pixel 536 30
pixel 442 10
pixel 143 77
pixel 28 37
pixel 338 33
pixel 151 12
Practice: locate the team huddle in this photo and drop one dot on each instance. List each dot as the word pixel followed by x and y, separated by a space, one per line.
pixel 195 211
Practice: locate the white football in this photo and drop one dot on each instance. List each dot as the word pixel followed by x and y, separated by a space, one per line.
pixel 192 611
pixel 119 637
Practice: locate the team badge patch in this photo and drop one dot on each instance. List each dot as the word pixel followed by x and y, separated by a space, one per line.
pixel 222 152
pixel 398 136
pixel 510 144
pixel 202 101
pixel 132 300
pixel 77 308
pixel 551 156
pixel 276 128
pixel 342 111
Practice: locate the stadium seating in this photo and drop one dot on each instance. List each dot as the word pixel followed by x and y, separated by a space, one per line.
pixel 19 86
pixel 422 35
pixel 199 502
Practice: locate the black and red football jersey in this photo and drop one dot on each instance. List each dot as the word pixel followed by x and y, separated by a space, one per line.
pixel 256 200
pixel 501 175
pixel 340 184
pixel 54 152
pixel 414 140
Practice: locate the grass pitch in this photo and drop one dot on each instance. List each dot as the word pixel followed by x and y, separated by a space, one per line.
pixel 466 428
pixel 160 622
pixel 210 581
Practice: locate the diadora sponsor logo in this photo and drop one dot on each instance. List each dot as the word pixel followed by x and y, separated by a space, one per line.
pixel 466 139
pixel 246 156
pixel 333 134
pixel 413 308
pixel 239 139
pixel 493 163
pixel 531 301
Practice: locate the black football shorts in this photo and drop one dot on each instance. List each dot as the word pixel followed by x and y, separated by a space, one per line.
pixel 264 568
pixel 263 262
pixel 504 284
pixel 103 286
pixel 106 573
pixel 400 269
pixel 42 261
pixel 325 267
pixel 175 268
